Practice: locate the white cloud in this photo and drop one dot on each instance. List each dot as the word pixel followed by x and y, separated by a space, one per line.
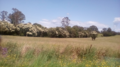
pixel 116 20
pixel 89 23
pixel 117 24
pixel 51 23
pixel 57 22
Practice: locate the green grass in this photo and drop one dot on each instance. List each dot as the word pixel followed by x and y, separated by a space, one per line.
pixel 60 52
pixel 87 57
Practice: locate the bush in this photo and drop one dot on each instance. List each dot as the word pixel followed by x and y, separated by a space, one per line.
pixel 108 32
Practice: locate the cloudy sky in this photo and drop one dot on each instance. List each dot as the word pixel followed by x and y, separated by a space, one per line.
pixel 49 13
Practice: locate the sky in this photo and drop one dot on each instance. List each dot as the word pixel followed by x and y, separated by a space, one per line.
pixel 49 13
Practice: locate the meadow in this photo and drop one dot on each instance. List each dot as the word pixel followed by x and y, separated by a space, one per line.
pixel 24 51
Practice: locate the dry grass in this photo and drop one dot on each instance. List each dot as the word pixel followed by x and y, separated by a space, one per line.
pixel 70 52
pixel 112 42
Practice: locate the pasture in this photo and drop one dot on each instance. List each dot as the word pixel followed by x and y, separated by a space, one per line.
pixel 112 42
pixel 60 52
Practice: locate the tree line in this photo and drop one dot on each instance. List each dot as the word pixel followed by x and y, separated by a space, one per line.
pixel 17 17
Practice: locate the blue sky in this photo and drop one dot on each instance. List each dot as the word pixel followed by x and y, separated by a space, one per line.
pixel 49 13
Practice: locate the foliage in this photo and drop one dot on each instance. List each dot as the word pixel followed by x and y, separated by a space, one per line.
pixel 65 21
pixel 52 32
pixel 39 25
pixel 16 17
pixel 38 30
pixel 58 32
pixel 93 28
pixel 75 31
pixel 62 32
pixel 42 31
pixel 22 29
pixel 17 27
pixel 93 35
pixel 108 32
pixel 118 33
pixel 7 28
pixel 84 34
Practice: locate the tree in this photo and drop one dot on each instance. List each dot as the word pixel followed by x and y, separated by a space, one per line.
pixel 16 17
pixel 109 30
pixel 3 15
pixel 65 21
pixel 93 35
pixel 39 25
pixel 93 28
pixel 104 29
pixel 76 29
pixel 81 28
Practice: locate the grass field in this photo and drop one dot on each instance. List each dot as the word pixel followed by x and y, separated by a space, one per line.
pixel 112 42
pixel 60 52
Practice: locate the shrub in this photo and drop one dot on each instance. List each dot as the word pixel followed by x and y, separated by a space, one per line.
pixel 108 32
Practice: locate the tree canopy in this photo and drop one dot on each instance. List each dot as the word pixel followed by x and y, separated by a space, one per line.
pixel 16 17
pixel 108 32
pixel 93 28
pixel 65 21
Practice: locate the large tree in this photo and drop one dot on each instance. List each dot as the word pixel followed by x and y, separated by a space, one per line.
pixel 109 30
pixel 16 17
pixel 3 15
pixel 65 21
pixel 93 28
